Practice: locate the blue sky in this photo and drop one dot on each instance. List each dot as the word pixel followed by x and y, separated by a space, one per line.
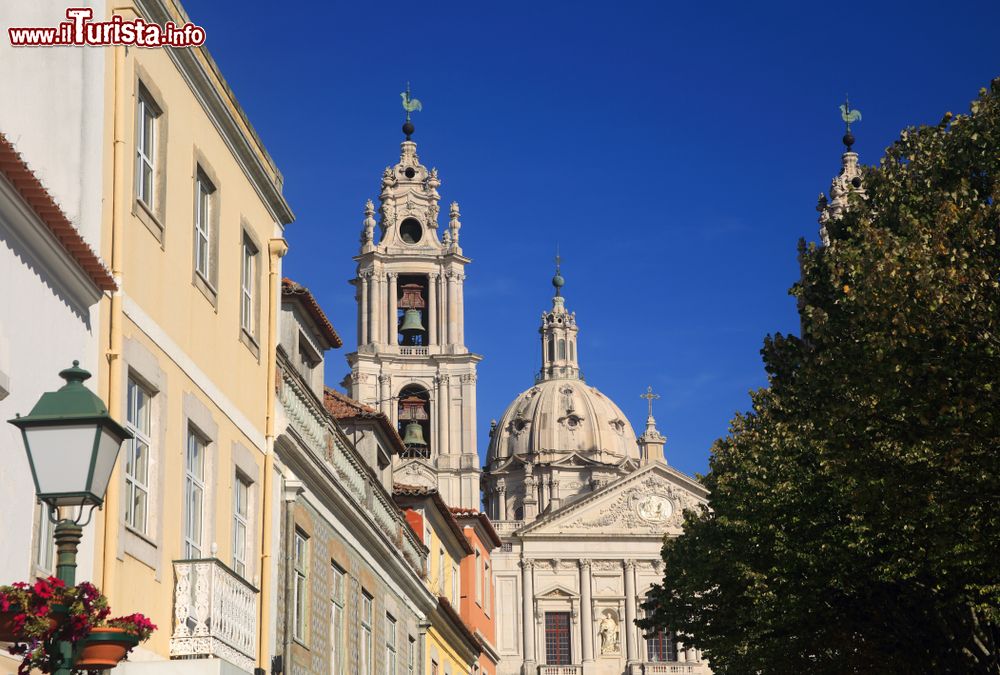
pixel 673 151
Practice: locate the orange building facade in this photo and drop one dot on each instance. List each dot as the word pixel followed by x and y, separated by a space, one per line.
pixel 478 601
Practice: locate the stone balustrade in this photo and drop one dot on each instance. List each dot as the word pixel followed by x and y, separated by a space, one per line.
pixel 560 670
pixel 505 527
pixel 215 613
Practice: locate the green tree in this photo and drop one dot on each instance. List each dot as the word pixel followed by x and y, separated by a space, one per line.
pixel 855 509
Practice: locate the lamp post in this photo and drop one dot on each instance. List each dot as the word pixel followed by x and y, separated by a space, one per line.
pixel 72 445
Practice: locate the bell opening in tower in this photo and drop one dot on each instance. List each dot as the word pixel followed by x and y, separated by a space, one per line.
pixel 414 422
pixel 411 299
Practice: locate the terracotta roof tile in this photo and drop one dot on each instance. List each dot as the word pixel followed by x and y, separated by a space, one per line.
pixel 291 289
pixel 343 407
pixel 462 512
pixel 34 194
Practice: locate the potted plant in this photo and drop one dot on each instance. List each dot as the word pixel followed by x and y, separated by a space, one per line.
pixel 71 614
pixel 108 644
pixel 27 611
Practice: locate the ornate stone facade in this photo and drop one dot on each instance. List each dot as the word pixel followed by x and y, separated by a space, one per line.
pixel 413 271
pixel 582 506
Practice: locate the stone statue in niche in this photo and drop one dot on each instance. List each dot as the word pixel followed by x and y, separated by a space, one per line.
pixel 608 630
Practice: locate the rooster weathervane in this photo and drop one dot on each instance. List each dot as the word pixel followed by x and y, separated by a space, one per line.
pixel 849 115
pixel 410 104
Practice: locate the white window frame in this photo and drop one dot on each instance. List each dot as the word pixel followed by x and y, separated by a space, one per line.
pixel 411 654
pixel 441 571
pixel 300 563
pixel 241 523
pixel 390 644
pixel 138 420
pixel 479 577
pixel 194 494
pixel 487 587
pixel 45 546
pixel 365 665
pixel 454 587
pixel 337 620
pixel 248 287
pixel 204 192
pixel 145 147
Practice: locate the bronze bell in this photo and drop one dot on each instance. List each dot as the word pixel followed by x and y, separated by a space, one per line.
pixel 414 434
pixel 411 322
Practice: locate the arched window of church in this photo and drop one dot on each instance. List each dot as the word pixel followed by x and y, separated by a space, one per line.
pixel 552 348
pixel 414 414
pixel 562 349
pixel 519 513
pixel 572 350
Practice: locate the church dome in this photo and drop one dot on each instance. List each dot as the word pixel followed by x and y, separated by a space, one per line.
pixel 559 417
pixel 562 415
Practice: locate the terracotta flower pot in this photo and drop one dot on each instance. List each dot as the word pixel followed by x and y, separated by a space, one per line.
pixel 104 648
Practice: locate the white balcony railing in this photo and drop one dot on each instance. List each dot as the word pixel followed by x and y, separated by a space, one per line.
pixel 215 613
pixel 665 668
pixel 560 670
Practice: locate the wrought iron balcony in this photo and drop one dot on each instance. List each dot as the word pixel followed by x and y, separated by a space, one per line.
pixel 215 613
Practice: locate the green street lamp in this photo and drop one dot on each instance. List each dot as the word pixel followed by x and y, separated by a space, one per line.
pixel 72 445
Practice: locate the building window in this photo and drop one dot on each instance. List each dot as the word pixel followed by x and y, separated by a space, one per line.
pixel 45 547
pixel 454 586
pixel 487 588
pixel 147 113
pixel 434 667
pixel 365 657
pixel 137 450
pixel 479 577
pixel 660 646
pixel 441 586
pixel 337 621
pixel 248 288
pixel 390 644
pixel 203 194
pixel 241 520
pixel 194 494
pixel 411 655
pixel 300 564
pixel 557 638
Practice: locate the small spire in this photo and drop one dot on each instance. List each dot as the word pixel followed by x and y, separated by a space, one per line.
pixel 848 181
pixel 558 281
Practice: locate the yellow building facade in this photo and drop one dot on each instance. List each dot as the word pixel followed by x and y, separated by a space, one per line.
pixel 192 231
pixel 450 648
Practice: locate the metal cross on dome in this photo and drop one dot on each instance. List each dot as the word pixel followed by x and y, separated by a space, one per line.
pixel 650 397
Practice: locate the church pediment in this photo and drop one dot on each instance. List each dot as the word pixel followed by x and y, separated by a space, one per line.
pixel 649 502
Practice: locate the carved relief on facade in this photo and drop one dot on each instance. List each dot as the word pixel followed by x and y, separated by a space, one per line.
pixel 651 504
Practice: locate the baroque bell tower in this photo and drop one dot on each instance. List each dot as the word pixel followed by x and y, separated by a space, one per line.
pixel 411 361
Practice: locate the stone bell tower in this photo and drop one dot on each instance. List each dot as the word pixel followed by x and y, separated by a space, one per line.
pixel 411 362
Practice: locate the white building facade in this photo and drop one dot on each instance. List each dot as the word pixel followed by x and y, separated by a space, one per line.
pixel 51 161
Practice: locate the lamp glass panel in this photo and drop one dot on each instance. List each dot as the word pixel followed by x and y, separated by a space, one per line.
pixel 107 453
pixel 61 456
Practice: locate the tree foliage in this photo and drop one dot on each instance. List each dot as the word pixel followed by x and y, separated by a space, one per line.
pixel 855 509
